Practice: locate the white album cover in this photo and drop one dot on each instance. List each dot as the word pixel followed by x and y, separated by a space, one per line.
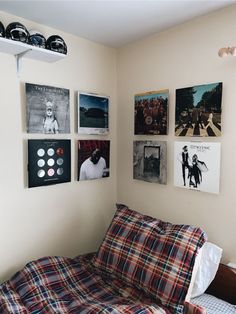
pixel 197 166
pixel 93 113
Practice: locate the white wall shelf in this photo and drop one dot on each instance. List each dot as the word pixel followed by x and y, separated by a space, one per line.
pixel 16 47
pixel 20 50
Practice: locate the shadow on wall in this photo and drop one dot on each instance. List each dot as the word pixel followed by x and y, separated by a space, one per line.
pixel 78 233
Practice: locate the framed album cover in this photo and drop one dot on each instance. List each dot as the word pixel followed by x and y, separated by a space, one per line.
pixel 93 159
pixel 49 162
pixel 93 113
pixel 198 110
pixel 151 113
pixel 150 161
pixel 48 109
pixel 197 166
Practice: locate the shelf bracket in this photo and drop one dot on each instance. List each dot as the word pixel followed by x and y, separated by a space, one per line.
pixel 18 60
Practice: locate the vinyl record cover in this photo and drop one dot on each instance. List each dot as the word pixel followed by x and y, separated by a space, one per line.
pixel 150 161
pixel 93 159
pixel 49 162
pixel 93 113
pixel 151 113
pixel 197 166
pixel 198 110
pixel 48 109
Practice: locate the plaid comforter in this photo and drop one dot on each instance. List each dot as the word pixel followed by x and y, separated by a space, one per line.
pixel 64 285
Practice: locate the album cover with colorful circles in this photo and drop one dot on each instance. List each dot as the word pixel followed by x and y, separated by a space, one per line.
pixel 49 162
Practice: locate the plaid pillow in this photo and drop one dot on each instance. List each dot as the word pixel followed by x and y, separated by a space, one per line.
pixel 152 255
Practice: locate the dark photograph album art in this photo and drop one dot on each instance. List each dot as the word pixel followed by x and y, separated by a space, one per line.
pixel 93 159
pixel 48 109
pixel 93 113
pixel 49 162
pixel 150 161
pixel 198 110
pixel 151 113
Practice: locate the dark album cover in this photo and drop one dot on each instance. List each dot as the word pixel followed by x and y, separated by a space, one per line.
pixel 49 162
pixel 93 159
pixel 48 109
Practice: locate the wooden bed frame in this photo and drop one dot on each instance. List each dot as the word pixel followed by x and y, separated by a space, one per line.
pixel 224 284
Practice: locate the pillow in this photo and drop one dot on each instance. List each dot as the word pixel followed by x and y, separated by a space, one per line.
pixel 150 254
pixel 209 263
pixel 194 274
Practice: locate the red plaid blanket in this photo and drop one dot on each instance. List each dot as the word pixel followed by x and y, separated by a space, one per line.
pixel 62 285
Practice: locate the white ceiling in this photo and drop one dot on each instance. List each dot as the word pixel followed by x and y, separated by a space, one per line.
pixel 112 22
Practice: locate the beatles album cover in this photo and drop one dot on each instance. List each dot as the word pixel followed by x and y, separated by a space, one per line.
pixel 151 113
pixel 93 159
pixel 198 110
pixel 49 162
pixel 48 109
pixel 93 113
pixel 197 166
pixel 150 161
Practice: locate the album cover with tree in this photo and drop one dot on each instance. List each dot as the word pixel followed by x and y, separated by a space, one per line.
pixel 198 110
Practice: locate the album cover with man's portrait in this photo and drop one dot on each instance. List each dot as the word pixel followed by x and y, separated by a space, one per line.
pixel 198 110
pixel 151 113
pixel 48 109
pixel 150 161
pixel 93 113
pixel 197 166
pixel 93 159
pixel 49 162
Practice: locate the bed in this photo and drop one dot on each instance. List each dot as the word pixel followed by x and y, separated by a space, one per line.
pixel 143 266
pixel 220 296
pixel 224 284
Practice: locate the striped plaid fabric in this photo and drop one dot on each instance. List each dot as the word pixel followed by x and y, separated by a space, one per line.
pixel 62 285
pixel 190 308
pixel 154 256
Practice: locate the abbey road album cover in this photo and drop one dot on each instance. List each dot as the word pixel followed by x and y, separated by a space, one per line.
pixel 197 166
pixel 151 113
pixel 48 109
pixel 150 161
pixel 93 113
pixel 198 110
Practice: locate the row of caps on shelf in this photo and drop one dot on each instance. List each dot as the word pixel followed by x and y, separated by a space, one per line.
pixel 18 32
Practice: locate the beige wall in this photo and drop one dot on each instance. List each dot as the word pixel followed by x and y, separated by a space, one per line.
pixel 71 218
pixel 64 219
pixel 182 56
